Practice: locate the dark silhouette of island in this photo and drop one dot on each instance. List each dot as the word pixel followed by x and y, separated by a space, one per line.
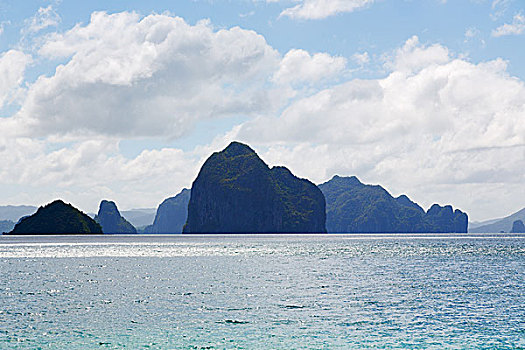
pixel 171 214
pixel 517 227
pixel 499 225
pixel 353 207
pixel 57 218
pixel 111 221
pixel 236 192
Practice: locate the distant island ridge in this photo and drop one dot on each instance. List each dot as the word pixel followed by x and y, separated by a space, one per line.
pixel 358 208
pixel 499 225
pixel 237 192
pixel 171 214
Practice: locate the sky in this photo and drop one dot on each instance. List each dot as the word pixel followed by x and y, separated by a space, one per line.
pixel 124 100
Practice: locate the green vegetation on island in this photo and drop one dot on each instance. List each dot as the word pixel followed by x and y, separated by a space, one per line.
pixel 111 221
pixel 236 192
pixel 57 218
pixel 353 207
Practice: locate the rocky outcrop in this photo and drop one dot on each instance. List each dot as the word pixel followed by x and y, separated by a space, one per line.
pixel 111 221
pixel 440 219
pixel 57 218
pixel 353 207
pixel 236 192
pixel 171 214
pixel 518 227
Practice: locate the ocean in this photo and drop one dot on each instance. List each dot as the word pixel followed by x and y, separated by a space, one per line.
pixel 429 291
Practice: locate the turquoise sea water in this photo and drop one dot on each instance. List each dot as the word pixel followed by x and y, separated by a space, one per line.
pixel 263 292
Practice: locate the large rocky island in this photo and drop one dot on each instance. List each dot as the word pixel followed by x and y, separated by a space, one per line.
pixel 111 221
pixel 236 192
pixel 171 214
pixel 57 218
pixel 353 207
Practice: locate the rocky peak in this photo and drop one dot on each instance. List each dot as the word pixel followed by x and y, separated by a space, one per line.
pixel 110 219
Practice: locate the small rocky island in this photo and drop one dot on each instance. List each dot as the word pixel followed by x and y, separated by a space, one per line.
pixel 517 227
pixel 171 214
pixel 353 207
pixel 236 192
pixel 111 221
pixel 57 218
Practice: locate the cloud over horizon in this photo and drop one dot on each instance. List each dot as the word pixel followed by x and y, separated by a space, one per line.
pixel 435 120
pixel 435 125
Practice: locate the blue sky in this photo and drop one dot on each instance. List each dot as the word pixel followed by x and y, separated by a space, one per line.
pixel 124 100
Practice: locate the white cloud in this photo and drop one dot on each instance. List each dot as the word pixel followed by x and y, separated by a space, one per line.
pixel 361 58
pixel 44 18
pixel 517 27
pixel 499 8
pixel 413 57
pixel 299 66
pixel 442 128
pixel 435 124
pixel 319 9
pixel 13 64
pixel 151 76
pixel 89 171
pixel 125 76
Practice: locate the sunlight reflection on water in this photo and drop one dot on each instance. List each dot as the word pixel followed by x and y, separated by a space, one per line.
pixel 262 292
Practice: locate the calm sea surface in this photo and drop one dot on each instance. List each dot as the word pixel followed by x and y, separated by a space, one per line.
pixel 263 292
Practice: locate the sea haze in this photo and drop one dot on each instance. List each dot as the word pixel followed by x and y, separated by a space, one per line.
pixel 262 291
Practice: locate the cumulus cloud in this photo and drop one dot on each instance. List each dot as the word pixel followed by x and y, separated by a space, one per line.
pixel 123 76
pixel 153 76
pixel 434 122
pixel 517 27
pixel 299 66
pixel 88 171
pixel 413 57
pixel 13 64
pixel 319 9
pixel 437 127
